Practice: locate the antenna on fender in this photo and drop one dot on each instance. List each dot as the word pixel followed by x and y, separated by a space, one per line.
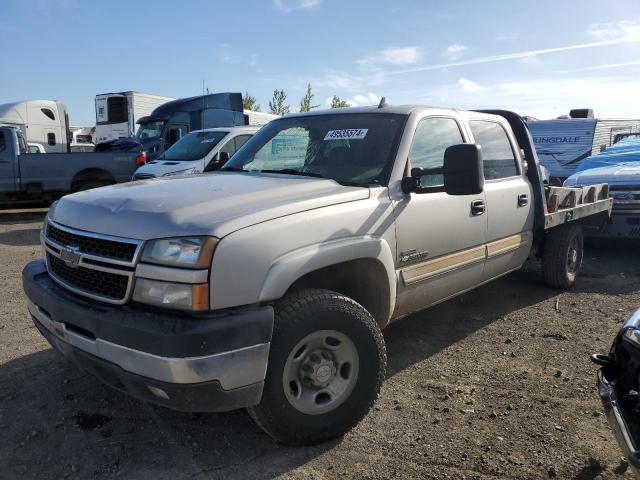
pixel 383 102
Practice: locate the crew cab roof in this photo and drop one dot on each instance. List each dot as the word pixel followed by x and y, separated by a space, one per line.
pixel 396 109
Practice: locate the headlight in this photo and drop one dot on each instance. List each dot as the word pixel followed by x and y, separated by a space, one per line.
pixel 187 171
pixel 172 295
pixel 188 252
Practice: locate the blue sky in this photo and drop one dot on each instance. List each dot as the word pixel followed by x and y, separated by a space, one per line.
pixel 539 58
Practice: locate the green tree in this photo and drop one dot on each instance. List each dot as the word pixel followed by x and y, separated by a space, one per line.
pixel 336 102
pixel 305 103
pixel 249 102
pixel 277 105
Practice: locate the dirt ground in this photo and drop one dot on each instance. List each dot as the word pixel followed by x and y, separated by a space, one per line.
pixel 495 383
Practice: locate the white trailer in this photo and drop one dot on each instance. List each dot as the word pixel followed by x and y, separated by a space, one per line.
pixel 118 113
pixel 43 122
pixel 258 118
pixel 563 143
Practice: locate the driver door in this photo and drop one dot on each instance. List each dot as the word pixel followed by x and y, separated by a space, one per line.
pixel 440 237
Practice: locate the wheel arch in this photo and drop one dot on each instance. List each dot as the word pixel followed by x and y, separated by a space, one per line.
pixel 362 269
pixel 91 174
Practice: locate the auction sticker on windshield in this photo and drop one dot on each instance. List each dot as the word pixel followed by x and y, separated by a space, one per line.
pixel 346 134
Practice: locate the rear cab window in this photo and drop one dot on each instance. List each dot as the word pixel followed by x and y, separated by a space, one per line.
pixel 498 157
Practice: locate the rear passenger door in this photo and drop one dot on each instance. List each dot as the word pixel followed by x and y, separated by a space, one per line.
pixel 508 198
pixel 440 240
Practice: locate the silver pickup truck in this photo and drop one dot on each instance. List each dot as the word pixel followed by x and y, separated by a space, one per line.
pixel 266 285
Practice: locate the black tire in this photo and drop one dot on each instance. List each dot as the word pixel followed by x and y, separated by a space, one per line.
pixel 562 256
pixel 297 316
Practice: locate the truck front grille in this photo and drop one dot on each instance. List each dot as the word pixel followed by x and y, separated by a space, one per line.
pixel 94 282
pixel 92 245
pixel 91 264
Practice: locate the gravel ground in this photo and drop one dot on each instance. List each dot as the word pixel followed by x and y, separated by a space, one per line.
pixel 495 383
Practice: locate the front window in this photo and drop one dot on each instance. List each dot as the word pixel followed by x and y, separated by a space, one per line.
pixel 194 146
pixel 150 130
pixel 351 148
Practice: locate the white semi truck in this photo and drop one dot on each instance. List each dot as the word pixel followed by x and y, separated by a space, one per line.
pixel 42 122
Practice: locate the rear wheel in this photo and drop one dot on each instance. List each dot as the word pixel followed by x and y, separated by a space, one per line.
pixel 326 364
pixel 562 256
pixel 89 184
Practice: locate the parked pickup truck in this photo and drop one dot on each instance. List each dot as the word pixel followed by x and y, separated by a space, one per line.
pixel 266 285
pixel 36 177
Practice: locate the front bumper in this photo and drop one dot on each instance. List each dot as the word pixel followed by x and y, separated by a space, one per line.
pixel 617 421
pixel 202 362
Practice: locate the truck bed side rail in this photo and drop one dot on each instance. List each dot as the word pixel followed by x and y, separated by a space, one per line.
pixel 567 204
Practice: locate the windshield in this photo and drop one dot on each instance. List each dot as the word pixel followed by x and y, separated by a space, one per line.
pixel 150 130
pixel 350 148
pixel 194 146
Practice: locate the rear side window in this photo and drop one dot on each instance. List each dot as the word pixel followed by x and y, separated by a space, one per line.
pixel 229 147
pixel 241 140
pixel 48 113
pixel 433 136
pixel 3 143
pixel 498 158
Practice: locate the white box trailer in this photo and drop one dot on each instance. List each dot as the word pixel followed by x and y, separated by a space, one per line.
pixel 117 114
pixel 563 143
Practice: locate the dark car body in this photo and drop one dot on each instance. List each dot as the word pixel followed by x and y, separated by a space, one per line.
pixel 618 387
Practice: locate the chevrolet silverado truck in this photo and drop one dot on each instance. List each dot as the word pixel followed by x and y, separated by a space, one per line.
pixel 32 177
pixel 267 284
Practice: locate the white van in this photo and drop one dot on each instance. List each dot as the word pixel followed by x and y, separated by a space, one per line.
pixel 198 151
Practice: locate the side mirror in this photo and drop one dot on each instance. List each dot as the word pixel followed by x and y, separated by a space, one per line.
pixel 461 173
pixel 462 169
pixel 216 162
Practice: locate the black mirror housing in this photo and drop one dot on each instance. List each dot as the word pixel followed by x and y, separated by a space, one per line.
pixel 462 169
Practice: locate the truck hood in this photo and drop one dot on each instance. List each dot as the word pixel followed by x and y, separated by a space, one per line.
pixel 209 204
pixel 627 173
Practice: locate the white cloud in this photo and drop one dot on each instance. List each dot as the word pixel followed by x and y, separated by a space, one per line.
pixel 541 97
pixel 615 30
pixel 288 6
pixel 401 56
pixel 470 86
pixel 454 52
pixel 364 100
pixel 602 67
pixel 631 38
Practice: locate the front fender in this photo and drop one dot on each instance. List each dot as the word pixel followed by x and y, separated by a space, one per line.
pixel 288 268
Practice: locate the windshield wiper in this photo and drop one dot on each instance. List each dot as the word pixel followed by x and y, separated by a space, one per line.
pixel 293 171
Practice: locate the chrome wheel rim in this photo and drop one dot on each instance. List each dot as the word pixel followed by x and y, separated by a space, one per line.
pixel 573 256
pixel 321 372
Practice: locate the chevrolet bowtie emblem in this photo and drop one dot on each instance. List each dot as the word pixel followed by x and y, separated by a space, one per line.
pixel 70 256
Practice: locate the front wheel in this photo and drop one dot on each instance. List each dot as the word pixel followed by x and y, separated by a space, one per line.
pixel 326 364
pixel 562 256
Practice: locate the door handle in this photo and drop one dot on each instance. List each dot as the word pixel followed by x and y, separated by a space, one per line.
pixel 523 200
pixel 477 207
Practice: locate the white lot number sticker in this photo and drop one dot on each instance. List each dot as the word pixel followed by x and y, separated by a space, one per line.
pixel 347 134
